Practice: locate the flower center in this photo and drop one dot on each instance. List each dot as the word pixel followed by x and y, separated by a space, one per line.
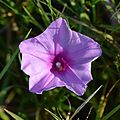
pixel 59 64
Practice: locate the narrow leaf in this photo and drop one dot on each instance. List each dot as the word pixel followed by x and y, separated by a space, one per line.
pixel 84 103
pixel 111 113
pixel 32 19
pixel 16 117
pixel 7 5
pixel 8 64
pixel 55 116
pixel 12 59
pixel 3 115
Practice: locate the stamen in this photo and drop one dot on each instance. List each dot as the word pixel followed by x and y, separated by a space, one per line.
pixel 58 64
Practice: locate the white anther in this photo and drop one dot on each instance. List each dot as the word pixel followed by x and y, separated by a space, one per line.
pixel 58 64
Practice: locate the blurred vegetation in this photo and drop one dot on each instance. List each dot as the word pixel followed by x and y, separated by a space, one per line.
pixel 99 19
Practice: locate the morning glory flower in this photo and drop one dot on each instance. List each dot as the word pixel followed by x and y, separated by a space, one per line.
pixel 59 57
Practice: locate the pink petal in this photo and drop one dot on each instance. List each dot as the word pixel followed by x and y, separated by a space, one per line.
pixel 56 35
pixel 83 72
pixel 73 80
pixel 33 65
pixel 78 89
pixel 33 47
pixel 82 49
pixel 44 81
pixel 34 57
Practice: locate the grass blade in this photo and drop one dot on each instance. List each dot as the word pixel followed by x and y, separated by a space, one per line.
pixel 32 19
pixel 84 103
pixel 12 59
pixel 8 64
pixel 111 113
pixel 3 93
pixel 14 10
pixel 43 14
pixel 55 116
pixel 3 115
pixel 16 117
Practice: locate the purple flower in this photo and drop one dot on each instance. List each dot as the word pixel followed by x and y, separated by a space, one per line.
pixel 59 57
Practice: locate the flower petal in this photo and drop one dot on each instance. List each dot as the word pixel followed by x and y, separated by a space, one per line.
pixel 33 47
pixel 34 57
pixel 33 65
pixel 75 81
pixel 57 34
pixel 44 81
pixel 82 49
pixel 78 89
pixel 83 72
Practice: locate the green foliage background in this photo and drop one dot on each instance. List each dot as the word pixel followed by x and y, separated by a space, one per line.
pixel 99 19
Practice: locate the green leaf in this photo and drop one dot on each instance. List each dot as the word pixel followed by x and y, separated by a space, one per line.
pixel 12 59
pixel 111 113
pixel 8 64
pixel 84 103
pixel 16 117
pixel 43 14
pixel 84 16
pixel 3 115
pixel 14 10
pixel 32 19
pixel 55 116
pixel 3 92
